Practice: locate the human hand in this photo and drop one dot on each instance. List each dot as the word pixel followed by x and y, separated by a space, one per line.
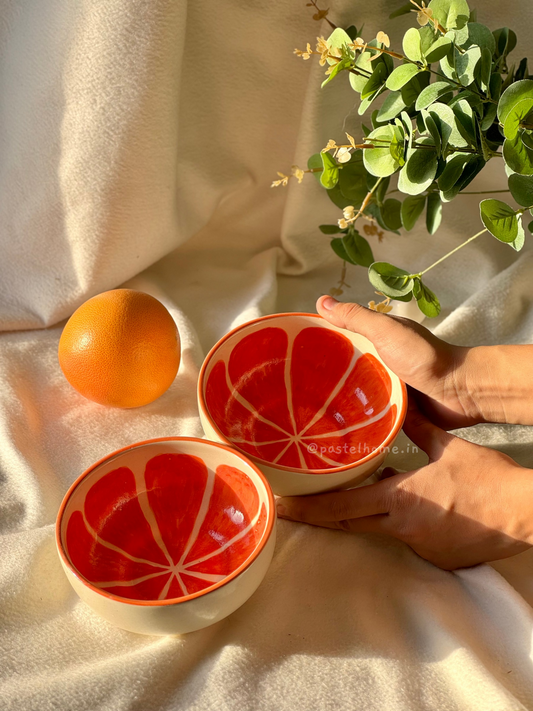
pixel 439 371
pixel 467 506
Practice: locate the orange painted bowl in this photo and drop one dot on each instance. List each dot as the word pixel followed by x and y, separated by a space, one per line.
pixel 167 536
pixel 311 404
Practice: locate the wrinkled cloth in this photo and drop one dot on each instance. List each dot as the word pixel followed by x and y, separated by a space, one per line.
pixel 137 145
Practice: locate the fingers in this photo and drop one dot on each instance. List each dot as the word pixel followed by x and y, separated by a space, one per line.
pixel 366 524
pixel 353 317
pixel 365 501
pixel 388 472
pixel 430 438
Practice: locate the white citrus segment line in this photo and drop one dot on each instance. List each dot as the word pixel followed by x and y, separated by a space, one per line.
pixel 254 443
pixel 112 547
pixel 280 455
pixel 321 412
pixel 242 401
pixel 181 584
pixel 353 428
pixel 142 498
pixel 208 577
pixel 164 591
pixel 226 545
pixel 130 583
pixel 288 383
pixel 202 512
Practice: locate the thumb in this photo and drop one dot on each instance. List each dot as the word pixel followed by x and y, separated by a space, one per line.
pixel 430 438
pixel 353 317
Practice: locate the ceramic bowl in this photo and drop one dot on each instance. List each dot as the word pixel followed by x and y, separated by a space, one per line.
pixel 167 536
pixel 311 404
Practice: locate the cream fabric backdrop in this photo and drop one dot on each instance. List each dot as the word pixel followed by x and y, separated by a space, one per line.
pixel 137 144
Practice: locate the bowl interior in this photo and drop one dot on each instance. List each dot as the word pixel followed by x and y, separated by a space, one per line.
pixel 295 392
pixel 164 520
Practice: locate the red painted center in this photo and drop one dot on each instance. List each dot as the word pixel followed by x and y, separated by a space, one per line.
pixel 308 402
pixel 170 531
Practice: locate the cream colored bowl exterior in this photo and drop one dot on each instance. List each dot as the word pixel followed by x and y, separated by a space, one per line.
pixel 295 483
pixel 204 609
pixel 181 617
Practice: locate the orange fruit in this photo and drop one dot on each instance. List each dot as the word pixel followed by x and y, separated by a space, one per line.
pixel 120 348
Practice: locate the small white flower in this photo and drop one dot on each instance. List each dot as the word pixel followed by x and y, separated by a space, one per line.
pixel 349 212
pixel 343 155
pixel 342 224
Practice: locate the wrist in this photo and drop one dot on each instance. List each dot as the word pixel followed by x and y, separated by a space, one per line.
pixel 496 384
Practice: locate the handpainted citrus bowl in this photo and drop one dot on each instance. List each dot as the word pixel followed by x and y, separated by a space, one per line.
pixel 311 404
pixel 167 536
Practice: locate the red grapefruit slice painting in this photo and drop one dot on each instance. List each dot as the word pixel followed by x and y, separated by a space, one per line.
pixel 309 401
pixel 175 529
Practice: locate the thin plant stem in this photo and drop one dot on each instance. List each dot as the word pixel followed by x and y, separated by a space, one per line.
pixel 482 192
pixel 470 239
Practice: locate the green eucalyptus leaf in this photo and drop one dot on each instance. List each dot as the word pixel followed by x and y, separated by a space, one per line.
pixel 452 172
pixel 363 65
pixel 330 229
pixel 520 237
pixel 530 227
pixel 485 68
pixel 391 214
pixel 428 35
pixel 451 14
pixel 365 103
pixel 489 114
pixel 433 213
pixel 521 187
pixel 426 299
pixel 495 85
pixel 432 93
pixel 330 171
pixel 314 162
pixel 376 81
pixel 339 67
pixel 352 180
pixel 412 89
pixel 522 71
pixel 379 161
pixel 405 122
pixel 392 106
pixel 465 64
pixel 431 126
pixel 412 208
pixel 401 75
pixel 419 170
pixel 518 114
pixel 338 246
pixel 474 166
pixel 481 35
pixel 458 37
pixel 340 39
pixel 337 198
pixel 446 122
pixel 515 93
pixel 517 155
pixel 439 49
pixel 412 47
pixel 358 249
pixel 465 121
pixel 500 219
pixel 389 280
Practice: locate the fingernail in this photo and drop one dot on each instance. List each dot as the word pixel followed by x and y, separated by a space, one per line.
pixel 329 303
pixel 282 510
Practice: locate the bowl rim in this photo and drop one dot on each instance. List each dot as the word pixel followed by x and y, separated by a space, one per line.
pixel 271 518
pixel 281 467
